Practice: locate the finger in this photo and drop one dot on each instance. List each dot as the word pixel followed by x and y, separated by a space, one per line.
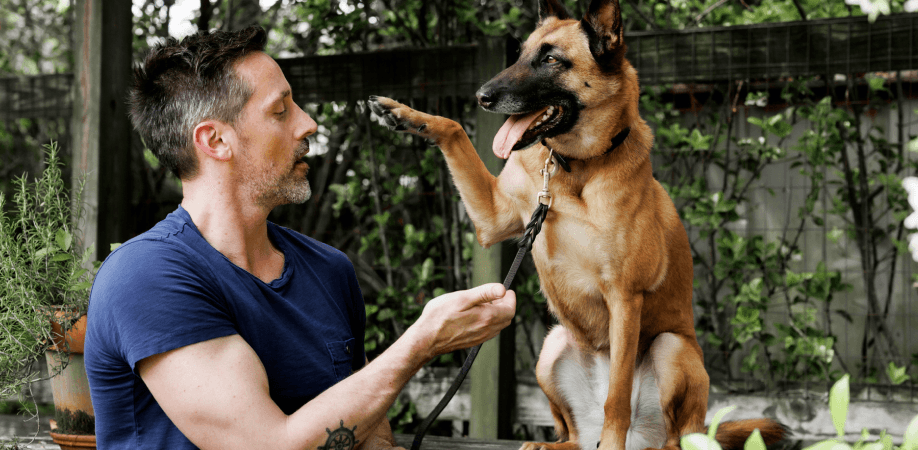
pixel 506 306
pixel 486 293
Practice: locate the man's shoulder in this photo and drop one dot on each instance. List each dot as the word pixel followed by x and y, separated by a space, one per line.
pixel 168 244
pixel 308 242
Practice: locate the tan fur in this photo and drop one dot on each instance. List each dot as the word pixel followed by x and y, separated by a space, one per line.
pixel 613 257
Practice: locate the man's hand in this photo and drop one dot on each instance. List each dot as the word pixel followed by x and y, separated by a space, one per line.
pixel 463 319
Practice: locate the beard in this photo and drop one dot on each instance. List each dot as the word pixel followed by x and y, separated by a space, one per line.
pixel 270 190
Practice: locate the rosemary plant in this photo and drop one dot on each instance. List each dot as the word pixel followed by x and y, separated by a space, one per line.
pixel 42 268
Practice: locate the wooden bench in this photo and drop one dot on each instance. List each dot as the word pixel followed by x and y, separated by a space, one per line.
pixel 457 443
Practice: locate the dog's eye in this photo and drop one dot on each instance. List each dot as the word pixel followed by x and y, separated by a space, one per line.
pixel 550 60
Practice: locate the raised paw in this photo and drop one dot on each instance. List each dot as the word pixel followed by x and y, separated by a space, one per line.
pixel 400 117
pixel 569 445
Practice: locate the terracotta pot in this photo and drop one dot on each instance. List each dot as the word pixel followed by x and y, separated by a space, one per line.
pixel 74 441
pixel 71 340
pixel 70 388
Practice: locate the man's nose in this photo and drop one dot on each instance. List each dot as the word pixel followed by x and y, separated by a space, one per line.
pixel 308 126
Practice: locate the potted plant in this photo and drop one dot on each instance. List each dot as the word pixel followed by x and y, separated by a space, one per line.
pixel 45 294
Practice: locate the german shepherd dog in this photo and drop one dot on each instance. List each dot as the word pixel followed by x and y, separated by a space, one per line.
pixel 623 370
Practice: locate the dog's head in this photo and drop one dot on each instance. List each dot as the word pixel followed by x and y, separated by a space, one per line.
pixel 565 68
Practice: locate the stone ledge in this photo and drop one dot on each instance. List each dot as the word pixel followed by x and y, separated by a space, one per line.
pixel 807 417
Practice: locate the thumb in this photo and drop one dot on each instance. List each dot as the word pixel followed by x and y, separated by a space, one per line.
pixel 485 293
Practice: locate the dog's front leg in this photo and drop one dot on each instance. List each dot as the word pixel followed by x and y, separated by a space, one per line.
pixel 488 205
pixel 624 330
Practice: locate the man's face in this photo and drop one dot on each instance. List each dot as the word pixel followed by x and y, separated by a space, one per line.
pixel 272 131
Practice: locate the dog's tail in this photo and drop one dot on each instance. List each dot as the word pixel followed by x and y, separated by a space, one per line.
pixel 732 435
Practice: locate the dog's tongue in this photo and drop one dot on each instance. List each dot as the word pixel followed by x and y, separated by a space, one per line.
pixel 512 131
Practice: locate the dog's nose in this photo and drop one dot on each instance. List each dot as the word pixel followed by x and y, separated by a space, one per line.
pixel 485 98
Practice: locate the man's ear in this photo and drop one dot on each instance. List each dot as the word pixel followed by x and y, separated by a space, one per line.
pixel 213 138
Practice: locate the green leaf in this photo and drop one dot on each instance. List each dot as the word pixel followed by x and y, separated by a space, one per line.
pixel 712 429
pixel 427 269
pixel 113 246
pixel 913 145
pixel 885 441
pixel 823 445
pixel 42 253
pixel 698 441
pixel 755 441
pixel 63 239
pixel 896 374
pixel 910 440
pixel 62 257
pixel 839 396
pixel 81 286
pixel 385 314
pixel 876 83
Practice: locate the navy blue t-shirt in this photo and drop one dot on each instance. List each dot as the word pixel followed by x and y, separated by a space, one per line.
pixel 169 288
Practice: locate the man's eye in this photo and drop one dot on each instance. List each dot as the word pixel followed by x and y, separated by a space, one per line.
pixel 281 114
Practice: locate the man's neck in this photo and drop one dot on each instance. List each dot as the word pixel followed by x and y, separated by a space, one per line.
pixel 236 228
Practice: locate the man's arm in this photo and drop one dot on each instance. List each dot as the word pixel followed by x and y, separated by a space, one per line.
pixel 381 437
pixel 216 391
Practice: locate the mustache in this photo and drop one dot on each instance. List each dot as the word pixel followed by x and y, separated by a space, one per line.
pixel 302 149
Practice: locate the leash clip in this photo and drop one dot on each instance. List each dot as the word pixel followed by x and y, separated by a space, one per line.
pixel 544 196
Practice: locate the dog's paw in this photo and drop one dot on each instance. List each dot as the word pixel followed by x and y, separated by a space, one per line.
pixel 397 116
pixel 437 130
pixel 569 445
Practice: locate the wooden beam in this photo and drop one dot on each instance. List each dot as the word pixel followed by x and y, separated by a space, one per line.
pixel 100 128
pixel 487 266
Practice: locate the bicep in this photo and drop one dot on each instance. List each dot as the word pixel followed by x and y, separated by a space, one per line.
pixel 216 393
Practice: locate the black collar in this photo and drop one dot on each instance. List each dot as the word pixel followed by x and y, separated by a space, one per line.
pixel 616 141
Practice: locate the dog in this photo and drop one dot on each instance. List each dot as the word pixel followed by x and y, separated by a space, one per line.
pixel 623 369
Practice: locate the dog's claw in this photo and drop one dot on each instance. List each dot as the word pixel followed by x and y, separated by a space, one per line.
pixel 377 108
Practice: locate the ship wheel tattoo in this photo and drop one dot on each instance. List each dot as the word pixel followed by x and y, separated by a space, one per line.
pixel 340 439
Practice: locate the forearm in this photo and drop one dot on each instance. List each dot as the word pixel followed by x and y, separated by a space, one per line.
pixel 354 407
pixel 381 438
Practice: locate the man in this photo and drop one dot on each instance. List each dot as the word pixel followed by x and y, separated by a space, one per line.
pixel 217 329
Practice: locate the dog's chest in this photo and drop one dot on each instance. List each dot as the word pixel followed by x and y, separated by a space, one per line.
pixel 572 250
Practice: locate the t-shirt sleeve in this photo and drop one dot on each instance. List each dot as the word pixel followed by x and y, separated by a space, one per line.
pixel 153 298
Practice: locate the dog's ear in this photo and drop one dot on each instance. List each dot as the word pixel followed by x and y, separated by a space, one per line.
pixel 603 26
pixel 552 8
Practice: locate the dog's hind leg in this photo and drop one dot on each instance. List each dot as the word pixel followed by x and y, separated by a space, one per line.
pixel 558 357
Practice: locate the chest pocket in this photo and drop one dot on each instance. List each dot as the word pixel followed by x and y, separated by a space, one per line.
pixel 341 353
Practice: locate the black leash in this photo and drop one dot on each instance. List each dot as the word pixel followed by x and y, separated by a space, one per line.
pixel 532 229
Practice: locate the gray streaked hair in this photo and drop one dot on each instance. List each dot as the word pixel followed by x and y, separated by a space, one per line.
pixel 182 83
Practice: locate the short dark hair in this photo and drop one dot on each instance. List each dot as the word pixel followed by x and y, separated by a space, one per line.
pixel 182 83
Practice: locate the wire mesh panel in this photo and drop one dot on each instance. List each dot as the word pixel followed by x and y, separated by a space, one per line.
pixel 761 51
pixel 41 96
pixel 401 74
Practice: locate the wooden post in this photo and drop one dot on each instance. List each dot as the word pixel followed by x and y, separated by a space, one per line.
pixel 490 412
pixel 100 128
